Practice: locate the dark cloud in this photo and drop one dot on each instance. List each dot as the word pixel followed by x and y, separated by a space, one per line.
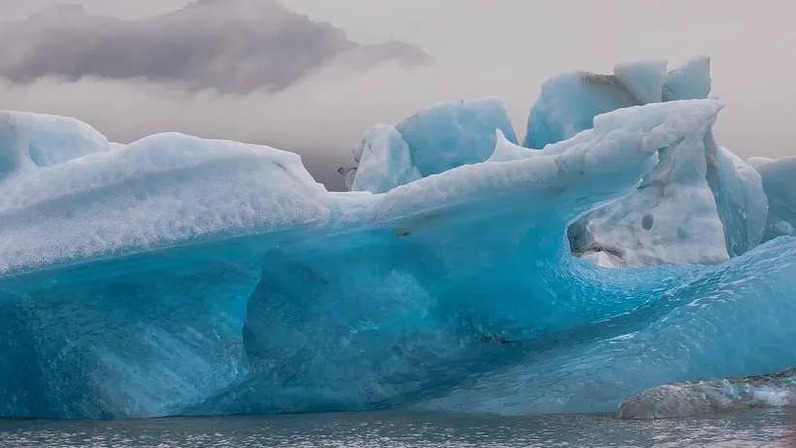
pixel 234 46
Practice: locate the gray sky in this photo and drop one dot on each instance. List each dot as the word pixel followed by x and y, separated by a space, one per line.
pixel 505 48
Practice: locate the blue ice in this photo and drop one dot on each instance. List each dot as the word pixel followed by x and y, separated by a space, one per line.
pixel 432 141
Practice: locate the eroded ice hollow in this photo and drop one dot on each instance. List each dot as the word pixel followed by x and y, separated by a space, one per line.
pixel 180 276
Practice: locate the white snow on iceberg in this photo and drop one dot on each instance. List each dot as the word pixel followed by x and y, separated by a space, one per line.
pixel 162 190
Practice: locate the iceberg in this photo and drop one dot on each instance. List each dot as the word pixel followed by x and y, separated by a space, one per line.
pixel 643 80
pixel 671 218
pixel 184 276
pixel 384 161
pixel 31 140
pixel 742 202
pixel 690 81
pixel 779 182
pixel 435 140
pixel 701 204
pixel 568 103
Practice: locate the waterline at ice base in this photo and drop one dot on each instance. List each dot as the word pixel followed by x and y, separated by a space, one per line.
pixel 621 259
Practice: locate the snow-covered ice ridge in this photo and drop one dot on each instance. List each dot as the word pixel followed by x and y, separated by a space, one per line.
pixel 178 275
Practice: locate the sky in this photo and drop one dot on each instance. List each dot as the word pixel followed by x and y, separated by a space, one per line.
pixel 336 67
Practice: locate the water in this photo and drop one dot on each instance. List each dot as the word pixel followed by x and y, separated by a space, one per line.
pixel 407 430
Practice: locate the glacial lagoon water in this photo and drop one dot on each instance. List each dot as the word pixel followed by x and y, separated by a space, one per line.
pixel 756 428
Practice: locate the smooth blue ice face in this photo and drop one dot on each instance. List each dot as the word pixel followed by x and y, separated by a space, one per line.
pixel 32 140
pixel 568 104
pixel 644 80
pixel 779 182
pixel 740 198
pixel 690 81
pixel 454 134
pixel 140 336
pixel 384 161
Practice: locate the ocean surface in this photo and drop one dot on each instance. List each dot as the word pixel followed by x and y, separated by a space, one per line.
pixel 759 428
